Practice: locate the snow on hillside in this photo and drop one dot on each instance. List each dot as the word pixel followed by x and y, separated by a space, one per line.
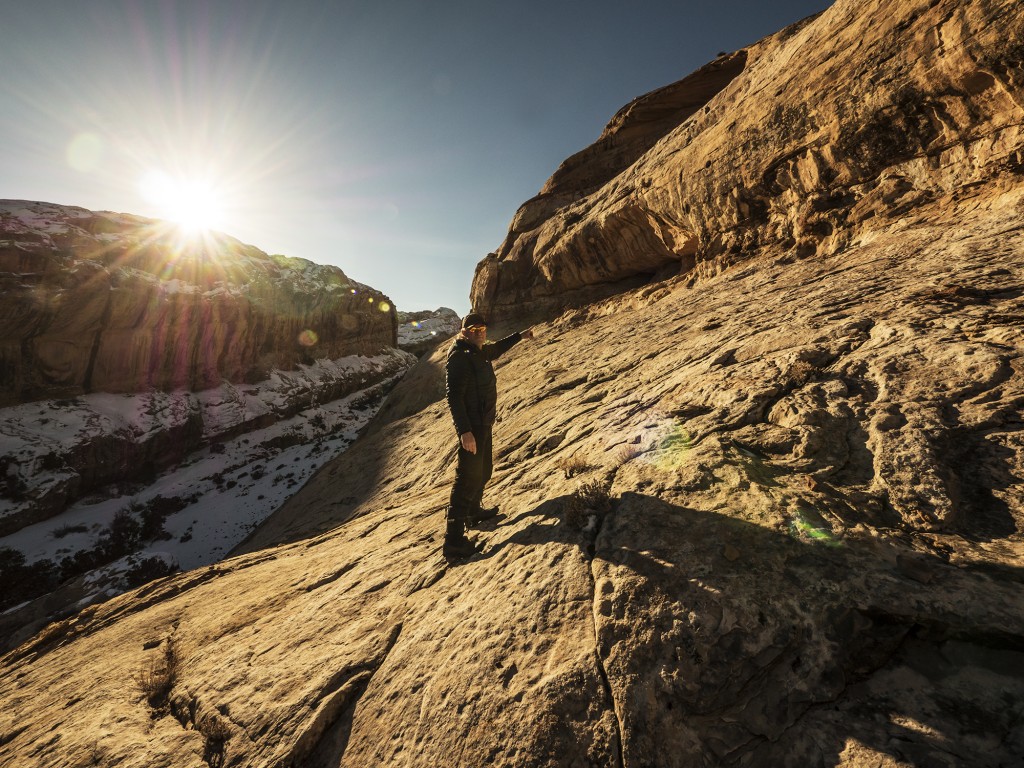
pixel 208 503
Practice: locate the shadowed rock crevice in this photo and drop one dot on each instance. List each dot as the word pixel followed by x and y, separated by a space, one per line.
pixel 323 741
pixel 727 644
pixel 598 604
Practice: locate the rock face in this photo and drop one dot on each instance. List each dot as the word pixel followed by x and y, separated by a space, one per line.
pixel 800 144
pixel 771 516
pixel 420 332
pixel 109 302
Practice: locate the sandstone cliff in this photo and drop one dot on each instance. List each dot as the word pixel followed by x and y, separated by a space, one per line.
pixel 802 143
pixel 103 302
pixel 770 516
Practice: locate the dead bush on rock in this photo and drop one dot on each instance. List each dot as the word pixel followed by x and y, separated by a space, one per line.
pixel 216 734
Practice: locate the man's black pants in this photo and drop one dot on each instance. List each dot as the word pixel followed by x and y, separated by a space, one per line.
pixel 471 475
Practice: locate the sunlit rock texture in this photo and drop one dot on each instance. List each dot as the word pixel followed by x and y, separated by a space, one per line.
pixel 107 302
pixel 767 512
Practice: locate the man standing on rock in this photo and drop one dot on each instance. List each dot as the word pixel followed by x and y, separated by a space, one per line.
pixel 472 398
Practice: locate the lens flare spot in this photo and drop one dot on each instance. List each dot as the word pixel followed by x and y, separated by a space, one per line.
pixel 384 307
pixel 84 152
pixel 671 451
pixel 808 525
pixel 308 338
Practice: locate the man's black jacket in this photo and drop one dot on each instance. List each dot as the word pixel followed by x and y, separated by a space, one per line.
pixel 470 383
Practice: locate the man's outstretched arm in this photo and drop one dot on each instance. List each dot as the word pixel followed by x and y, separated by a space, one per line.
pixel 496 349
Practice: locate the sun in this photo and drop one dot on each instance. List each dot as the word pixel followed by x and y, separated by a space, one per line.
pixel 194 205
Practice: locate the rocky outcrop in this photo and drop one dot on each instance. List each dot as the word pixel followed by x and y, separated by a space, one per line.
pixel 420 332
pixel 811 554
pixel 802 143
pixel 103 302
pixel 768 517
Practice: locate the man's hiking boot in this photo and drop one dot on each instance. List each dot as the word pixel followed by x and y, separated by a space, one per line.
pixel 456 545
pixel 459 549
pixel 482 515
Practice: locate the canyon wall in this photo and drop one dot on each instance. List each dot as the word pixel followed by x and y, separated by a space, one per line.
pixel 103 302
pixel 800 143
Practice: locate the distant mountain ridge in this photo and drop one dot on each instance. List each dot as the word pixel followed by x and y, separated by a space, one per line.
pixel 107 302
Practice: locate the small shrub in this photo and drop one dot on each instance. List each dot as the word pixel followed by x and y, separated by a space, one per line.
pixel 800 372
pixel 81 561
pixel 12 485
pixel 64 530
pixel 216 733
pixel 122 536
pixel 155 514
pixel 589 500
pixel 156 680
pixel 21 581
pixel 574 465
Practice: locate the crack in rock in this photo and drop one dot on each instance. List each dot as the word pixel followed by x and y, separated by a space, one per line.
pixel 320 742
pixel 601 670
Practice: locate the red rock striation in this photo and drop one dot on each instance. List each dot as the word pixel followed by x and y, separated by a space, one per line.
pixel 118 303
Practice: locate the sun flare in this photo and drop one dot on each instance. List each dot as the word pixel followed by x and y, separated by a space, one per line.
pixel 193 204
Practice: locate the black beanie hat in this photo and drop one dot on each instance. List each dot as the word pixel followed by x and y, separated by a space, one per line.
pixel 473 318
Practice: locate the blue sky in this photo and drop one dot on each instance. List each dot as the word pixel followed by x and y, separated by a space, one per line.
pixel 393 139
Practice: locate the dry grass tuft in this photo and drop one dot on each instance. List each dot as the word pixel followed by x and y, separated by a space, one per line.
pixel 156 681
pixel 801 372
pixel 217 733
pixel 574 465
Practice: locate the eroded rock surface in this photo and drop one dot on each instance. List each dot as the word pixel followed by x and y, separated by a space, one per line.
pixel 811 552
pixel 104 302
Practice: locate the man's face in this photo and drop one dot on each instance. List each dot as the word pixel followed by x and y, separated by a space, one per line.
pixel 477 334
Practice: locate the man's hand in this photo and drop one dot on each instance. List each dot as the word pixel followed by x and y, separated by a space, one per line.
pixel 526 335
pixel 468 442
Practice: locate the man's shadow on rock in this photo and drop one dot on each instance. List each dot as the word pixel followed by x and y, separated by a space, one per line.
pixel 730 643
